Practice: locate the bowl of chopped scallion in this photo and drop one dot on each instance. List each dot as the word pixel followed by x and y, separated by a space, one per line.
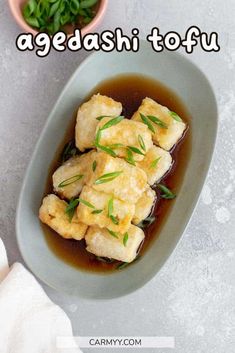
pixel 51 16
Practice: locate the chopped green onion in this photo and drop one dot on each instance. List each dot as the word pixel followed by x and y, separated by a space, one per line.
pixel 147 222
pixel 69 151
pixel 135 150
pixel 107 150
pixel 94 165
pixel 86 203
pixel 115 235
pixel 71 180
pixel 97 211
pixel 112 122
pixel 165 192
pixel 110 207
pixel 147 122
pixel 125 239
pixel 70 209
pixel 52 15
pixel 114 219
pixel 141 143
pixel 107 177
pixel 97 137
pixel 175 116
pixel 157 121
pixel 129 158
pixel 155 162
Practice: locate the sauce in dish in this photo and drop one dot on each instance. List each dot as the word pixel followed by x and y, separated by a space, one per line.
pixel 130 91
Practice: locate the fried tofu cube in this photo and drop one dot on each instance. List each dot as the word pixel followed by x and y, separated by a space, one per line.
pixel 144 206
pixel 128 185
pixel 101 243
pixel 163 137
pixel 86 124
pixel 72 174
pixel 119 219
pixel 156 163
pixel 52 213
pixel 127 133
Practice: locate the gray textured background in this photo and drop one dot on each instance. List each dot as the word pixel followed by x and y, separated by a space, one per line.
pixel 193 296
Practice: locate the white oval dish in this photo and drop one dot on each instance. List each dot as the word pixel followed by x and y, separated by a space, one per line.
pixel 179 74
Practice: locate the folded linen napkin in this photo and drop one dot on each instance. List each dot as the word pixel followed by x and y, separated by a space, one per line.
pixel 29 321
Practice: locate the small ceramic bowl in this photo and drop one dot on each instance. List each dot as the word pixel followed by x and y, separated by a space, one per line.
pixel 16 10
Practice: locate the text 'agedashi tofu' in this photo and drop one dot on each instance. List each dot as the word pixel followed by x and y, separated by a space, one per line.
pixel 102 209
pixel 126 133
pixel 101 243
pixel 117 177
pixel 156 163
pixel 87 116
pixel 52 212
pixel 167 126
pixel 70 177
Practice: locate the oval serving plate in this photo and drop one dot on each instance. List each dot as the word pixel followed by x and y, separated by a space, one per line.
pixel 179 74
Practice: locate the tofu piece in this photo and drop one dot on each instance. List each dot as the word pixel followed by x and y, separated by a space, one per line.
pixel 128 133
pixel 128 186
pixel 75 166
pixel 101 243
pixel 86 124
pixel 52 213
pixel 122 211
pixel 144 205
pixel 165 138
pixel 156 164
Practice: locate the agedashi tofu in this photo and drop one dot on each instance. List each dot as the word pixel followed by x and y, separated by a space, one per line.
pixel 52 213
pixel 156 163
pixel 127 133
pixel 101 243
pixel 70 177
pixel 117 177
pixel 165 136
pixel 102 209
pixel 87 121
pixel 144 206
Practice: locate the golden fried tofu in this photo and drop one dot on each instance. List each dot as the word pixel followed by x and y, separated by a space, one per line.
pixel 118 220
pixel 86 124
pixel 117 177
pixel 101 243
pixel 52 213
pixel 155 164
pixel 163 137
pixel 70 177
pixel 127 133
pixel 144 205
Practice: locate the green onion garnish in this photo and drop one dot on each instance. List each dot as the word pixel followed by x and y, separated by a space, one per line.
pixel 115 235
pixel 125 239
pixel 135 150
pixel 165 192
pixel 107 177
pixel 94 165
pixel 71 180
pixel 157 121
pixel 147 122
pixel 112 122
pixel 141 143
pixel 175 116
pixel 155 162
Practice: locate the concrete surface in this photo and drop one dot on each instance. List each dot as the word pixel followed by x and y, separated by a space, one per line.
pixel 193 297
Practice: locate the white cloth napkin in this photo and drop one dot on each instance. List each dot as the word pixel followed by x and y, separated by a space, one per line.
pixel 29 321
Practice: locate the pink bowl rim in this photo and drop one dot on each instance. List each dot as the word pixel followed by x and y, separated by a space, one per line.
pixel 85 30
